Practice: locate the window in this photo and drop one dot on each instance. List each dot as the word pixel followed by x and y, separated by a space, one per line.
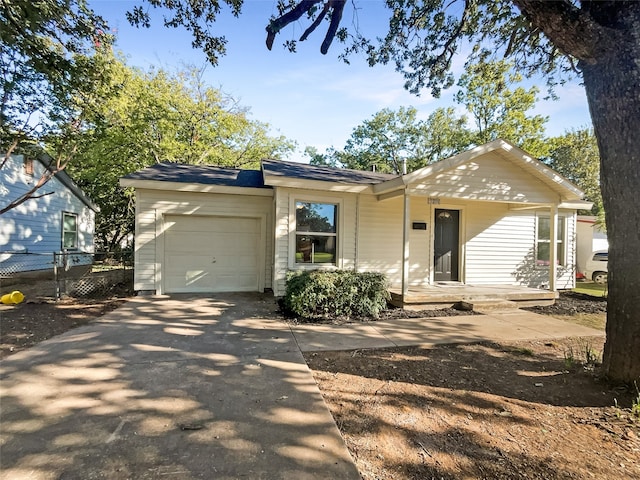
pixel 544 241
pixel 28 166
pixel 69 231
pixel 316 233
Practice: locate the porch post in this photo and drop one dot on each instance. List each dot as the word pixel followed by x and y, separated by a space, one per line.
pixel 405 245
pixel 553 247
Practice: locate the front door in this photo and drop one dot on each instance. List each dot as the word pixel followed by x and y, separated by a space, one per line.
pixel 446 245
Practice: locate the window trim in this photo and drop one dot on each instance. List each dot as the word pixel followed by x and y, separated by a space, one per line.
pixel 561 241
pixel 293 232
pixel 63 231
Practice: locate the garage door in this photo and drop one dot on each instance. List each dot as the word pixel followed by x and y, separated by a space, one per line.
pixel 211 254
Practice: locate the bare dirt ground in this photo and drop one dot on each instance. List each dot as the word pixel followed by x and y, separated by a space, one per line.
pixel 525 410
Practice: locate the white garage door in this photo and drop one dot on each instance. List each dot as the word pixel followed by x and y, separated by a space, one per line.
pixel 211 254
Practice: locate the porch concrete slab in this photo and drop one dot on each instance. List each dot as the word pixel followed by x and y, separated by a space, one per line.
pixel 175 388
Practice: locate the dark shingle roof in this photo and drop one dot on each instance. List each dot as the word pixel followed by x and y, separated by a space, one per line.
pixel 203 174
pixel 325 174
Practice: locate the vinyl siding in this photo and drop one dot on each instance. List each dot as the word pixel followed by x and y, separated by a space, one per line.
pixel 380 237
pixel 491 177
pixel 31 232
pixel 500 247
pixel 285 231
pixel 153 205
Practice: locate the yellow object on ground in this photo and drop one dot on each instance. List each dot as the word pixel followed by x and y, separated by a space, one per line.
pixel 14 298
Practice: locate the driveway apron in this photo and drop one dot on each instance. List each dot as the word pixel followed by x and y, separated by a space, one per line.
pixel 170 388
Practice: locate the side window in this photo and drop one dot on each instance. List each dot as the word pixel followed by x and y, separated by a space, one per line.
pixel 543 241
pixel 316 233
pixel 69 231
pixel 28 167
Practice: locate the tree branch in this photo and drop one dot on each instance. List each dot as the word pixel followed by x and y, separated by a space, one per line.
pixel 337 7
pixel 316 22
pixel 571 29
pixel 291 16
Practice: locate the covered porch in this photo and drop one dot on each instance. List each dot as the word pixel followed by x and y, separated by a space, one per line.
pixel 477 297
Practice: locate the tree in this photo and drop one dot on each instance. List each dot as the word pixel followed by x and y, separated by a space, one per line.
pixel 499 111
pixel 596 39
pixel 392 139
pixel 157 116
pixel 575 156
pixel 47 67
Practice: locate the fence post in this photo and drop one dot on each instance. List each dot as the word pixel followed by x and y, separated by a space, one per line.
pixel 55 275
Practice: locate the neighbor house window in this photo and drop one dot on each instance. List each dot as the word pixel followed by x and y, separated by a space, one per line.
pixel 316 233
pixel 28 166
pixel 543 243
pixel 69 231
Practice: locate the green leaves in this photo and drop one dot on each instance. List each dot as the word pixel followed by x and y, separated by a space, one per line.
pixel 392 137
pixel 575 156
pixel 498 106
pixel 141 118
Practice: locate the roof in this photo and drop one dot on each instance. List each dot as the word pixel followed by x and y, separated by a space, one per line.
pixel 302 171
pixel 62 176
pixel 202 174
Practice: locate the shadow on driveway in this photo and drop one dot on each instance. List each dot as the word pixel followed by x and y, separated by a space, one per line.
pixel 181 387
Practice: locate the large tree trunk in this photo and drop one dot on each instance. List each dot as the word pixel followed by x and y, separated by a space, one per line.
pixel 613 91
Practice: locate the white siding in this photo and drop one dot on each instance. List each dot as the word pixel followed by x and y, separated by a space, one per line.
pixel 35 227
pixel 500 247
pixel 153 205
pixel 490 177
pixel 380 237
pixel 285 230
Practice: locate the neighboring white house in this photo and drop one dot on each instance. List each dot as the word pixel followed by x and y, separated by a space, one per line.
pixel 488 216
pixel 590 238
pixel 62 219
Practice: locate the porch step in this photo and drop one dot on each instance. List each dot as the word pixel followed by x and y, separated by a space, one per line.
pixel 487 306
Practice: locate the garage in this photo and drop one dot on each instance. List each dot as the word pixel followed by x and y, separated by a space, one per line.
pixel 204 254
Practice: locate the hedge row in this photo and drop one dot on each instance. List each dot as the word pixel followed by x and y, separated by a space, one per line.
pixel 336 293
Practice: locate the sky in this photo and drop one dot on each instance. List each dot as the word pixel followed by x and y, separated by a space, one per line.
pixel 314 99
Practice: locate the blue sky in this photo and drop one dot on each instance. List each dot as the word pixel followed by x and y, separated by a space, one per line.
pixel 311 98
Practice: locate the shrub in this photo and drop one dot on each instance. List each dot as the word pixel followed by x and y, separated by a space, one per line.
pixel 336 293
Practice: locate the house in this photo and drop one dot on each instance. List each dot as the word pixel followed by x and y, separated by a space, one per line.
pixel 589 238
pixel 61 219
pixel 488 216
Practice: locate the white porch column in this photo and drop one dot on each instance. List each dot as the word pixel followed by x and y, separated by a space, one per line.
pixel 553 247
pixel 405 244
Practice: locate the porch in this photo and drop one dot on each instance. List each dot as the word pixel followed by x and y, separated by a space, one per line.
pixel 477 297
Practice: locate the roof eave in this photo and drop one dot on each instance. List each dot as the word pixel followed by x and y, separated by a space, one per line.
pixel 195 187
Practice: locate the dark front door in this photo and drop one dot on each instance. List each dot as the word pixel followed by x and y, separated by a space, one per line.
pixel 446 233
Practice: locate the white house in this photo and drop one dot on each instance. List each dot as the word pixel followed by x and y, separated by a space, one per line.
pixel 61 219
pixel 486 217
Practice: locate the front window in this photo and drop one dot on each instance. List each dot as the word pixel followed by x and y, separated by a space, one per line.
pixel 69 231
pixel 316 233
pixel 544 241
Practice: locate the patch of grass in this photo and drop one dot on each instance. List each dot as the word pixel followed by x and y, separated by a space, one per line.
pixel 591 320
pixel 635 405
pixel 591 288
pixel 582 353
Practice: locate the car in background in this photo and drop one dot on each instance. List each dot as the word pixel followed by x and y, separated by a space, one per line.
pixel 596 268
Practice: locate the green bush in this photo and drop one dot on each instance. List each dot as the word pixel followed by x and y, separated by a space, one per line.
pixel 336 293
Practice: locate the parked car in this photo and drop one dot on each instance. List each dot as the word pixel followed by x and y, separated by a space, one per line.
pixel 596 268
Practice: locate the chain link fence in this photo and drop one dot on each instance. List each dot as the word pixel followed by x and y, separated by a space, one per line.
pixel 74 274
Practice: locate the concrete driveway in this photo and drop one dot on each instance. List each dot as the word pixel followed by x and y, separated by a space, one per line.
pixel 172 388
pixel 193 387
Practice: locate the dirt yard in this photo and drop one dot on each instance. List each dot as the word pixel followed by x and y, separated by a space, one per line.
pixel 526 410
